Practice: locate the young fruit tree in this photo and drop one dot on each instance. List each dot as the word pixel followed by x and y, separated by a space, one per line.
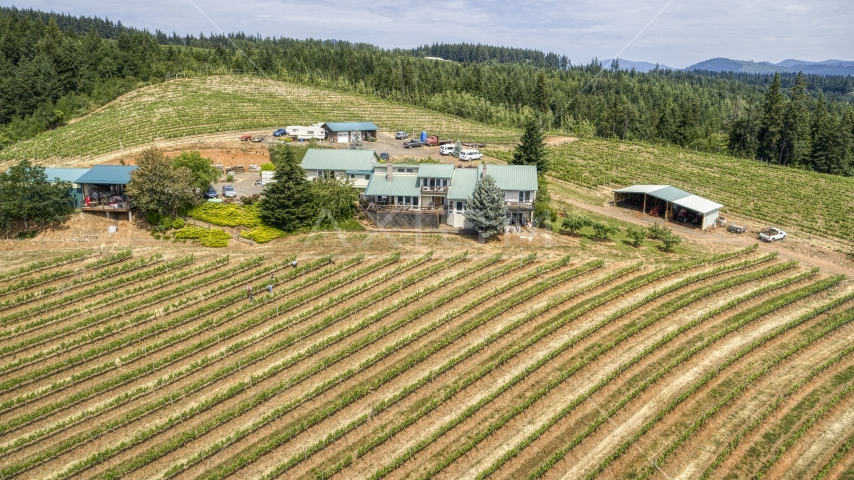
pixel 485 208
pixel 157 186
pixel 670 240
pixel 574 222
pixel 637 235
pixel 603 230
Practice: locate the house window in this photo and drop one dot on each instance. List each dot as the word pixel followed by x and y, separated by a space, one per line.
pixel 524 197
pixel 459 206
pixel 399 199
pixel 352 177
pixel 367 177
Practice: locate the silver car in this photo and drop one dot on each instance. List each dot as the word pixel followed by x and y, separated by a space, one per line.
pixel 228 191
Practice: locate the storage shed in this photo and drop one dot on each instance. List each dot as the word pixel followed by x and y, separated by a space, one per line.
pixel 669 203
pixel 343 132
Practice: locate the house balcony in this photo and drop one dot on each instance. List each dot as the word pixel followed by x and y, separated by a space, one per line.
pixel 520 206
pixel 435 190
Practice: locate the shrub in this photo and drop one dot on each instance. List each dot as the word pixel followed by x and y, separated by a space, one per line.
pixel 177 223
pixel 268 167
pixel 263 234
pixel 226 215
pixel 213 237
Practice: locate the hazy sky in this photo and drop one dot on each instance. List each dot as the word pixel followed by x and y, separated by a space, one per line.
pixel 677 33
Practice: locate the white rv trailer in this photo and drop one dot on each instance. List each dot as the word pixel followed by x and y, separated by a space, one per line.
pixel 306 133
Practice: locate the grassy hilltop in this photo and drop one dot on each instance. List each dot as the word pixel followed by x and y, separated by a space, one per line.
pixel 210 105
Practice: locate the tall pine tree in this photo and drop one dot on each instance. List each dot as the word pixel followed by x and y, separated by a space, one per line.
pixel 830 152
pixel 541 95
pixel 797 145
pixel 485 208
pixel 771 128
pixel 531 149
pixel 287 203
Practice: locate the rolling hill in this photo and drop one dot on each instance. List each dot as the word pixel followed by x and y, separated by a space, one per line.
pixel 219 104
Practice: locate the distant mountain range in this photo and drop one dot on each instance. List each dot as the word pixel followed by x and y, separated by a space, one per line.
pixel 825 67
pixel 639 66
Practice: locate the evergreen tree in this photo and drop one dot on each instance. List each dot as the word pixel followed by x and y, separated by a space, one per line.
pixel 288 203
pixel 540 102
pixel 742 132
pixel 356 143
pixel 771 129
pixel 830 153
pixel 157 186
pixel 458 147
pixel 796 145
pixel 485 208
pixel 665 128
pixel 531 149
pixel 685 131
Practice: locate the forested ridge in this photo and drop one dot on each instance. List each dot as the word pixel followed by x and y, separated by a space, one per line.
pixel 55 67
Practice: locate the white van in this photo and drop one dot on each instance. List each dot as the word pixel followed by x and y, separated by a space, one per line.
pixel 446 149
pixel 470 155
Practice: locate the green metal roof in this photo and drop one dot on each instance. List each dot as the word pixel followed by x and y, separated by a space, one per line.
pixel 669 194
pixel 64 174
pixel 513 177
pixel 334 159
pixel 350 126
pixel 400 185
pixel 462 185
pixel 435 170
pixel 107 175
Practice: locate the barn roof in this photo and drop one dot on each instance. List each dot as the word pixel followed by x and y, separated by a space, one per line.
pixel 64 174
pixel 107 175
pixel 698 204
pixel 675 195
pixel 350 126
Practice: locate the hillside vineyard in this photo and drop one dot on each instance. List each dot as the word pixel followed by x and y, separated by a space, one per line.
pixel 448 366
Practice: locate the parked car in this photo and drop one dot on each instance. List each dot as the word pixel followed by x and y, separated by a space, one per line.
pixel 736 228
pixel 258 139
pixel 771 234
pixel 245 138
pixel 401 135
pixel 447 149
pixel 280 132
pixel 211 192
pixel 412 144
pixel 228 191
pixel 384 156
pixel 470 155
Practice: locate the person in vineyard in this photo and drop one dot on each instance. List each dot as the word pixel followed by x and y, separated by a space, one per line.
pixel 249 292
pixel 270 289
pixel 294 264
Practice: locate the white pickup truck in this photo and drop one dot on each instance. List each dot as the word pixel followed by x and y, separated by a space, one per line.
pixel 771 234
